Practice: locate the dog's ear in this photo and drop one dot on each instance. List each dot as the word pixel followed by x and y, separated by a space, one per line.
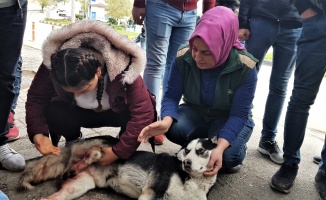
pixel 214 140
pixel 185 144
pixel 209 144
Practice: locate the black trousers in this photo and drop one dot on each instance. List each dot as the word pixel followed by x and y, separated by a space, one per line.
pixel 64 120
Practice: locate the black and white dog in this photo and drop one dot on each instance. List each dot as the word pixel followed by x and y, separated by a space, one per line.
pixel 145 175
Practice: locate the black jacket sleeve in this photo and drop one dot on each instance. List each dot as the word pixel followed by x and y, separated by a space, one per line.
pixel 245 13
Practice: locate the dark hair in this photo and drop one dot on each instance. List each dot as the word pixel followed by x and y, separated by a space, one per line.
pixel 77 67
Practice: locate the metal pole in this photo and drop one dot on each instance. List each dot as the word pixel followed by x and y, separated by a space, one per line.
pixel 33 31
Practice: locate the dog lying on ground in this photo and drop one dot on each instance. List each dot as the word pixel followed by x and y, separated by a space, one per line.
pixel 145 175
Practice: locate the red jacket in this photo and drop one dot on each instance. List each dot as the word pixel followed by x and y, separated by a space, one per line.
pixel 126 90
pixel 183 5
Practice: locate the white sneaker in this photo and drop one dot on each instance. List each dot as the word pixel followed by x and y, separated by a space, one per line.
pixel 10 159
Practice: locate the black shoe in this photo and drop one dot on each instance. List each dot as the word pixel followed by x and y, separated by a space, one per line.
pixel 317 159
pixel 283 179
pixel 320 182
pixel 271 148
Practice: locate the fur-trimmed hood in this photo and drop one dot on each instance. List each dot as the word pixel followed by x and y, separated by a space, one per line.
pixel 115 48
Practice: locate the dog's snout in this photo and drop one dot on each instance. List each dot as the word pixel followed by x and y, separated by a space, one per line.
pixel 187 162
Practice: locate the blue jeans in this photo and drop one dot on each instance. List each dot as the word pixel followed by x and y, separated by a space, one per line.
pixel 17 83
pixel 309 72
pixel 3 196
pixel 264 34
pixel 12 29
pixel 192 125
pixel 166 29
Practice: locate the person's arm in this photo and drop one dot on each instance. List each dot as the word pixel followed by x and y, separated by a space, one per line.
pixel 240 108
pixel 208 4
pixel 141 114
pixel 169 107
pixel 308 13
pixel 305 6
pixel 244 17
pixel 139 11
pixel 245 13
pixel 44 145
pixel 38 97
pixel 173 94
pixel 109 156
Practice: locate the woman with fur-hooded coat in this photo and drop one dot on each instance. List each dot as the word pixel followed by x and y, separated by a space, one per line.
pixel 89 77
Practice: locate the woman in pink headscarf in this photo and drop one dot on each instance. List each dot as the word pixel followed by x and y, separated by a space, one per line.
pixel 217 79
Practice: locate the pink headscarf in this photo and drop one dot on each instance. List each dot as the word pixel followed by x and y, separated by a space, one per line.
pixel 218 28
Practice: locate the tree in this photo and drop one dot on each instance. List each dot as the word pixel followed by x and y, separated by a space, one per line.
pixel 119 8
pixel 45 3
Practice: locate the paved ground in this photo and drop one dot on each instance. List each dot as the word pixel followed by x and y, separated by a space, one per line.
pixel 252 182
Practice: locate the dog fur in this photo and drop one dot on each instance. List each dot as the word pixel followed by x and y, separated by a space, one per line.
pixel 144 176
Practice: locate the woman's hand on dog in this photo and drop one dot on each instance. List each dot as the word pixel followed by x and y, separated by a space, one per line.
pixel 44 145
pixel 109 156
pixel 155 128
pixel 215 162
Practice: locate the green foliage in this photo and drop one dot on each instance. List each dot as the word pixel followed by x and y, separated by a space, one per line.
pixel 119 8
pixel 113 21
pixel 79 16
pixel 269 56
pixel 45 3
pixel 58 22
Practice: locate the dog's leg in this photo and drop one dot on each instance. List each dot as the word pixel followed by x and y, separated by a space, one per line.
pixel 74 187
pixel 81 160
pixel 147 194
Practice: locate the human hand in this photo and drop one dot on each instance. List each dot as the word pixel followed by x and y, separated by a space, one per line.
pixel 108 156
pixel 308 13
pixel 44 145
pixel 155 128
pixel 138 15
pixel 243 34
pixel 215 162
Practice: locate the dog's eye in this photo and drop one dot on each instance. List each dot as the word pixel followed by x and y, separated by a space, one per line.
pixel 187 151
pixel 200 151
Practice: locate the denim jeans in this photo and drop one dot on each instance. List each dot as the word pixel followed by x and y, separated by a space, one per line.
pixel 192 125
pixel 3 196
pixel 166 29
pixel 12 28
pixel 309 72
pixel 264 34
pixel 17 83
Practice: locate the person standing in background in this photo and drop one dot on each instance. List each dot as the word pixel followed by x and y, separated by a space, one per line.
pixel 13 21
pixel 168 24
pixel 309 73
pixel 277 24
pixel 141 38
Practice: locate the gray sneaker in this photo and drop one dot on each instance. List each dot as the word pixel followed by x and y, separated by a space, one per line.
pixel 271 148
pixel 10 159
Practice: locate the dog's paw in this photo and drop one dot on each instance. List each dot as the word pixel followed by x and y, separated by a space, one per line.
pixel 26 186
